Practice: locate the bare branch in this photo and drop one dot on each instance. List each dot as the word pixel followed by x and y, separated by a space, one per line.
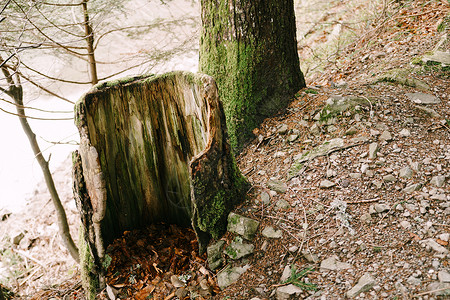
pixel 35 118
pixel 45 89
pixel 37 109
pixel 54 78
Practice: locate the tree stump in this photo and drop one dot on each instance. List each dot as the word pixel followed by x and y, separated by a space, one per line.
pixel 152 149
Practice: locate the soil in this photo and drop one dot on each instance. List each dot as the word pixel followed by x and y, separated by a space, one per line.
pixel 349 205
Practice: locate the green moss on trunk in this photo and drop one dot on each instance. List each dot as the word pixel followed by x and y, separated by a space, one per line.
pixel 250 48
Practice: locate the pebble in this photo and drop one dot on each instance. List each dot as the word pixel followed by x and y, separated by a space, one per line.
pixel 333 264
pixel 270 232
pixel 438 181
pixel 381 207
pixel 435 246
pixel 412 188
pixel 325 184
pixel 406 172
pixel 413 280
pixel 385 136
pixel 405 133
pixel 389 178
pixel 373 149
pixel 365 283
pixel 282 204
pixel 444 276
pixel 283 129
pixel 265 198
pixel 176 282
pixel 405 224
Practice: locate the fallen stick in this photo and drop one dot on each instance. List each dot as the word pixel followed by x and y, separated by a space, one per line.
pixel 29 257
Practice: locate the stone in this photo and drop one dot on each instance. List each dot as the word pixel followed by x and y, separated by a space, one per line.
pixel 230 275
pixel 412 188
pixel 333 264
pixel 286 274
pixel 292 137
pixel 181 293
pixel 365 283
pixel 412 280
pixel 400 76
pixel 435 246
pixel 293 249
pixel 321 150
pixel 373 149
pixel 444 236
pixel 423 98
pixel 385 136
pixel 351 131
pixel 282 204
pixel 438 56
pixel 238 249
pixel 444 276
pixel 405 224
pixel 243 226
pixel 406 172
pixel 288 292
pixel 366 218
pixel 355 175
pixel 389 178
pixel 314 129
pixel 277 186
pixel 429 111
pixel 440 289
pixel 176 282
pixel 310 257
pixel 326 184
pixel 364 168
pixel 283 129
pixel 271 233
pixel 214 253
pixel 265 198
pixel 381 207
pixel 405 132
pixel 438 181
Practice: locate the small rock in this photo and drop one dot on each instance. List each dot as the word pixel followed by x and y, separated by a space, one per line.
pixel 325 184
pixel 381 207
pixel 439 288
pixel 293 249
pixel 238 249
pixel 243 226
pixel 389 178
pixel 286 274
pixel 412 187
pixel 355 175
pixel 282 204
pixel 310 257
pixel 435 246
pixel 292 137
pixel 277 186
pixel 366 218
pixel 438 181
pixel 364 168
pixel 351 131
pixel 283 129
pixel 444 236
pixel 405 224
pixel 385 136
pixel 373 149
pixel 230 275
pixel 405 133
pixel 406 172
pixel 377 183
pixel 271 233
pixel 315 129
pixel 429 111
pixel 288 292
pixel 413 280
pixel 265 198
pixel 365 283
pixel 176 282
pixel 444 276
pixel 423 98
pixel 333 264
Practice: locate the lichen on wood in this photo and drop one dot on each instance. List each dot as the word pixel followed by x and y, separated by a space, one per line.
pixel 153 149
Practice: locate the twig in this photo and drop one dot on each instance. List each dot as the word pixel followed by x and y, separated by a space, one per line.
pixel 363 201
pixel 445 225
pixel 431 292
pixel 29 276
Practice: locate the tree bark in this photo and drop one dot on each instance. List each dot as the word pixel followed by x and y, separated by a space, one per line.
pixel 153 149
pixel 250 48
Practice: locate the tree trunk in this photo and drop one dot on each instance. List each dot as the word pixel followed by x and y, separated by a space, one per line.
pixel 153 149
pixel 250 48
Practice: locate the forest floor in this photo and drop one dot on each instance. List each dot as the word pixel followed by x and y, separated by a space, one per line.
pixel 368 218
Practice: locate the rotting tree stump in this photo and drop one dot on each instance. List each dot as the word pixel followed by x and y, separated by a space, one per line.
pixel 152 149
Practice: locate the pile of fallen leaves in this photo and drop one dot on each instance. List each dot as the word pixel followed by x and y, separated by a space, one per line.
pixel 159 262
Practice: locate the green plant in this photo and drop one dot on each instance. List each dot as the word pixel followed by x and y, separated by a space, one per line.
pixel 295 279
